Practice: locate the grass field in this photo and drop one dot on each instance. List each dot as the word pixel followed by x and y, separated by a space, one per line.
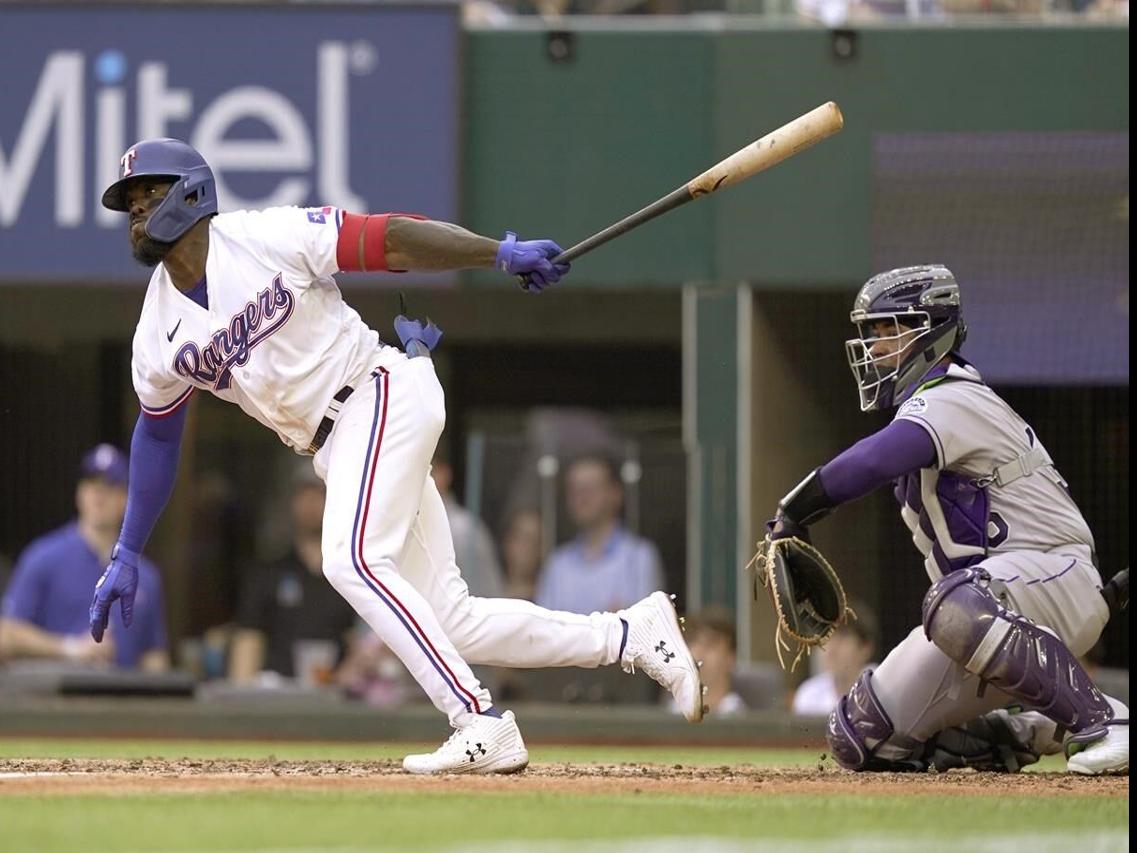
pixel 133 796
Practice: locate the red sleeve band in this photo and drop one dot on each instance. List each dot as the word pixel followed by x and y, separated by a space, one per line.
pixel 362 242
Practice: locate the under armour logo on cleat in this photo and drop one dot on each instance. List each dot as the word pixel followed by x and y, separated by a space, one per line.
pixel 662 649
pixel 473 753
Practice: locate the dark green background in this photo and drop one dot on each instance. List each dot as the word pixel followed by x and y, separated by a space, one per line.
pixel 635 114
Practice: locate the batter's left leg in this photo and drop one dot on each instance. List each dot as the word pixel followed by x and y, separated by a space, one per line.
pixel 518 634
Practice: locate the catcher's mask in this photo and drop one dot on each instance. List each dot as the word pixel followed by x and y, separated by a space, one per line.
pixel 918 310
pixel 192 197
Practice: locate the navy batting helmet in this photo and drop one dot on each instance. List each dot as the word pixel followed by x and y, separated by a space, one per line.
pixel 919 308
pixel 192 197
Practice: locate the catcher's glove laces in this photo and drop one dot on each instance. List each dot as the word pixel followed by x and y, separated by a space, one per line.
pixel 808 597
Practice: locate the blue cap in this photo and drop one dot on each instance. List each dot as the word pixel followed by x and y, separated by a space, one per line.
pixel 106 462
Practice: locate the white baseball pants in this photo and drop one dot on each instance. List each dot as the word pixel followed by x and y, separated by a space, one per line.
pixel 387 549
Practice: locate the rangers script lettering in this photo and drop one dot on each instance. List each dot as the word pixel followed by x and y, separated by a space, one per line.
pixel 230 347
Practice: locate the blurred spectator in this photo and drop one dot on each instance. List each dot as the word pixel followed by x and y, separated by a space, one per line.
pixel 1101 9
pixel 553 438
pixel 843 658
pixel 485 13
pixel 46 604
pixel 831 13
pixel 605 567
pixel 521 554
pixel 473 545
pixel 839 13
pixel 289 619
pixel 373 674
pixel 711 638
pixel 556 8
pixel 521 551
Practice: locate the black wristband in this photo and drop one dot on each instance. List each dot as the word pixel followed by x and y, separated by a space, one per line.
pixel 807 502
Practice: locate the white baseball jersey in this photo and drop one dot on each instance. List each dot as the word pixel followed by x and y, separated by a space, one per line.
pixel 277 338
pixel 959 512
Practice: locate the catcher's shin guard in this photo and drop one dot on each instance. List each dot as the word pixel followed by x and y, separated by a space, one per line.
pixel 859 726
pixel 965 620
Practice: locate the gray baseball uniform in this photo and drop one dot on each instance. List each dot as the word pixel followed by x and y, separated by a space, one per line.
pixel 994 501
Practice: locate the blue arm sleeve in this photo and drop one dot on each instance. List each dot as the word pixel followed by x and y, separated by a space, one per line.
pixel 154 452
pixel 899 448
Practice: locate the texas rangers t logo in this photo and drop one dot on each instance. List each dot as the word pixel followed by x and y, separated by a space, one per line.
pixel 231 346
pixel 127 162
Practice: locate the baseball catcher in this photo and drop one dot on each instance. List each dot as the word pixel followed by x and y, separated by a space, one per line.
pixel 1015 596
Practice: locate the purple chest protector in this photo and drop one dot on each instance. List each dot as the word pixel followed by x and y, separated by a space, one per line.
pixel 966 509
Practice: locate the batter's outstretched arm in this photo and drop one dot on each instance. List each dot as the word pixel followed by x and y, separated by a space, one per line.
pixel 154 452
pixel 400 242
pixel 418 244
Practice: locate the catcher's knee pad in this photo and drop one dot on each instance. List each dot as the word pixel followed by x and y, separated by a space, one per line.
pixel 959 611
pixel 967 623
pixel 859 727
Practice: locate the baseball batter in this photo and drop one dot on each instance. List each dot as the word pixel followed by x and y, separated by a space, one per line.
pixel 244 305
pixel 1015 594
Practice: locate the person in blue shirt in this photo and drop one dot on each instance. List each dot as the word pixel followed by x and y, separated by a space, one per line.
pixel 44 612
pixel 605 567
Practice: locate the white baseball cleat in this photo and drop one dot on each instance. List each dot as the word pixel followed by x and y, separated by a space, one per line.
pixel 486 745
pixel 656 645
pixel 1108 755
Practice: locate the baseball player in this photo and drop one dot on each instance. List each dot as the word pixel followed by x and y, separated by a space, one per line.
pixel 244 305
pixel 1015 595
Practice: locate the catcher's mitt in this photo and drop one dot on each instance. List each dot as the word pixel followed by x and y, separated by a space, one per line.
pixel 807 594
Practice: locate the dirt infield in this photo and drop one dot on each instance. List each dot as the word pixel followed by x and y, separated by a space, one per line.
pixel 139 776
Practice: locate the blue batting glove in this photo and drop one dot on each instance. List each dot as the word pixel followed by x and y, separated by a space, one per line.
pixel 532 260
pixel 119 581
pixel 417 339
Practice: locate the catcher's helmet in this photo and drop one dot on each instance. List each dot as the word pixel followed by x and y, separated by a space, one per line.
pixel 922 307
pixel 192 197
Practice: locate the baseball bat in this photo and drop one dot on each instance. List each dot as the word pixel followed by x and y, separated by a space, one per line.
pixel 759 155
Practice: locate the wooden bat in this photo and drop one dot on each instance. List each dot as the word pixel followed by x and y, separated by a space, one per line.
pixel 756 157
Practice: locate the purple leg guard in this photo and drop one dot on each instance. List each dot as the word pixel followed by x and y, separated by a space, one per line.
pixel 859 725
pixel 965 620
